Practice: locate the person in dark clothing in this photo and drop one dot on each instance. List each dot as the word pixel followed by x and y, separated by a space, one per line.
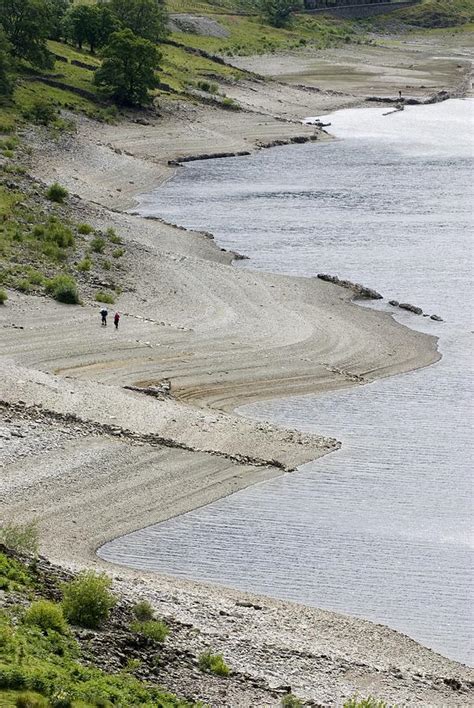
pixel 116 319
pixel 103 313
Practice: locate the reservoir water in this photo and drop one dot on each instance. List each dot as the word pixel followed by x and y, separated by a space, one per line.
pixel 382 529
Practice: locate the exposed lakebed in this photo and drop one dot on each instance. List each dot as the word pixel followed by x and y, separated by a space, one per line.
pixel 383 528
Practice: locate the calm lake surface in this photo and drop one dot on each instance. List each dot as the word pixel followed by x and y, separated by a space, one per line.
pixel 382 529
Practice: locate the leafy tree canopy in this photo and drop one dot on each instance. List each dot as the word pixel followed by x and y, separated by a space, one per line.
pixel 128 70
pixel 278 12
pixel 146 18
pixel 27 25
pixel 57 11
pixel 6 83
pixel 92 24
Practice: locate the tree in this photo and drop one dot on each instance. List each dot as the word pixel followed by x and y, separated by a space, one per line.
pixel 6 82
pixel 146 18
pixel 278 12
pixel 27 25
pixel 92 24
pixel 57 11
pixel 128 69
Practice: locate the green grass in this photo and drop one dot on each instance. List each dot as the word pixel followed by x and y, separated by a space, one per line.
pixel 213 664
pixel 438 13
pixel 40 659
pixel 153 629
pixel 105 297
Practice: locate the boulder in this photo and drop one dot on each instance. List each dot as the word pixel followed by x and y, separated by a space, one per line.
pixel 436 318
pixel 394 303
pixel 411 308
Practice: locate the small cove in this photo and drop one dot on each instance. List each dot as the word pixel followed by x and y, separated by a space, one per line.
pixel 383 528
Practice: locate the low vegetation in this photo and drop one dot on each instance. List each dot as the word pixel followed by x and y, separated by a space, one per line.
pixel 213 664
pixel 41 660
pixel 143 611
pixel 20 537
pixel 56 193
pixel 87 600
pixel 368 702
pixel 152 629
pixel 47 616
pixel 291 701
pixel 438 13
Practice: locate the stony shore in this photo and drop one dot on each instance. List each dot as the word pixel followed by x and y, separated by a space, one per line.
pixel 90 460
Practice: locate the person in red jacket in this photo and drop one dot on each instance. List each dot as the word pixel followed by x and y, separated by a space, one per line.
pixel 116 320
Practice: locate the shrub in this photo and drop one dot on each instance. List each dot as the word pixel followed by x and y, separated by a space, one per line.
pixel 112 236
pixel 106 265
pixel 3 296
pixel 64 289
pixel 23 285
pixel 85 229
pixel 87 600
pixel 28 699
pixel 290 701
pixel 213 664
pixel 13 575
pixel 207 86
pixel 98 244
pixel 143 611
pixel 41 111
pixel 118 253
pixel 35 277
pixel 56 193
pixel 46 615
pixel 103 296
pixel 153 629
pixel 20 537
pixel 84 265
pixel 368 702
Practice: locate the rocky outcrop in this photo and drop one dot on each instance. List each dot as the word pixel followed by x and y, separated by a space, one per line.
pixel 411 308
pixel 359 290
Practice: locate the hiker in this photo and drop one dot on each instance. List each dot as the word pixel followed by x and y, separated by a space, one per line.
pixel 103 313
pixel 116 319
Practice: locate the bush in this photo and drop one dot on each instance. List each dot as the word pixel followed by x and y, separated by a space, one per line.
pixel 23 285
pixel 42 112
pixel 56 193
pixel 213 664
pixel 87 600
pixel 20 537
pixel 143 611
pixel 290 701
pixel 153 629
pixel 85 229
pixel 102 296
pixel 64 289
pixel 112 236
pixel 3 296
pixel 28 699
pixel 46 615
pixel 118 253
pixel 98 244
pixel 84 265
pixel 35 277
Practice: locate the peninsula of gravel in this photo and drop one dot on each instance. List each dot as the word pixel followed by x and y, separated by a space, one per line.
pixel 105 431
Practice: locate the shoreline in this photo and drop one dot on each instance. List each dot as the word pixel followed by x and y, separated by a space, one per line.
pixel 215 364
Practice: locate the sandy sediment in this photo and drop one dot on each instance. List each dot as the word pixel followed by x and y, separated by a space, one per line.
pixel 90 460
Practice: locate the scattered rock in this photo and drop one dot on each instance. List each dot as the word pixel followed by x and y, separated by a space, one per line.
pixel 411 308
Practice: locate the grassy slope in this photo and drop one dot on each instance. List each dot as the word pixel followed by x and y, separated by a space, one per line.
pixel 433 14
pixel 46 664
